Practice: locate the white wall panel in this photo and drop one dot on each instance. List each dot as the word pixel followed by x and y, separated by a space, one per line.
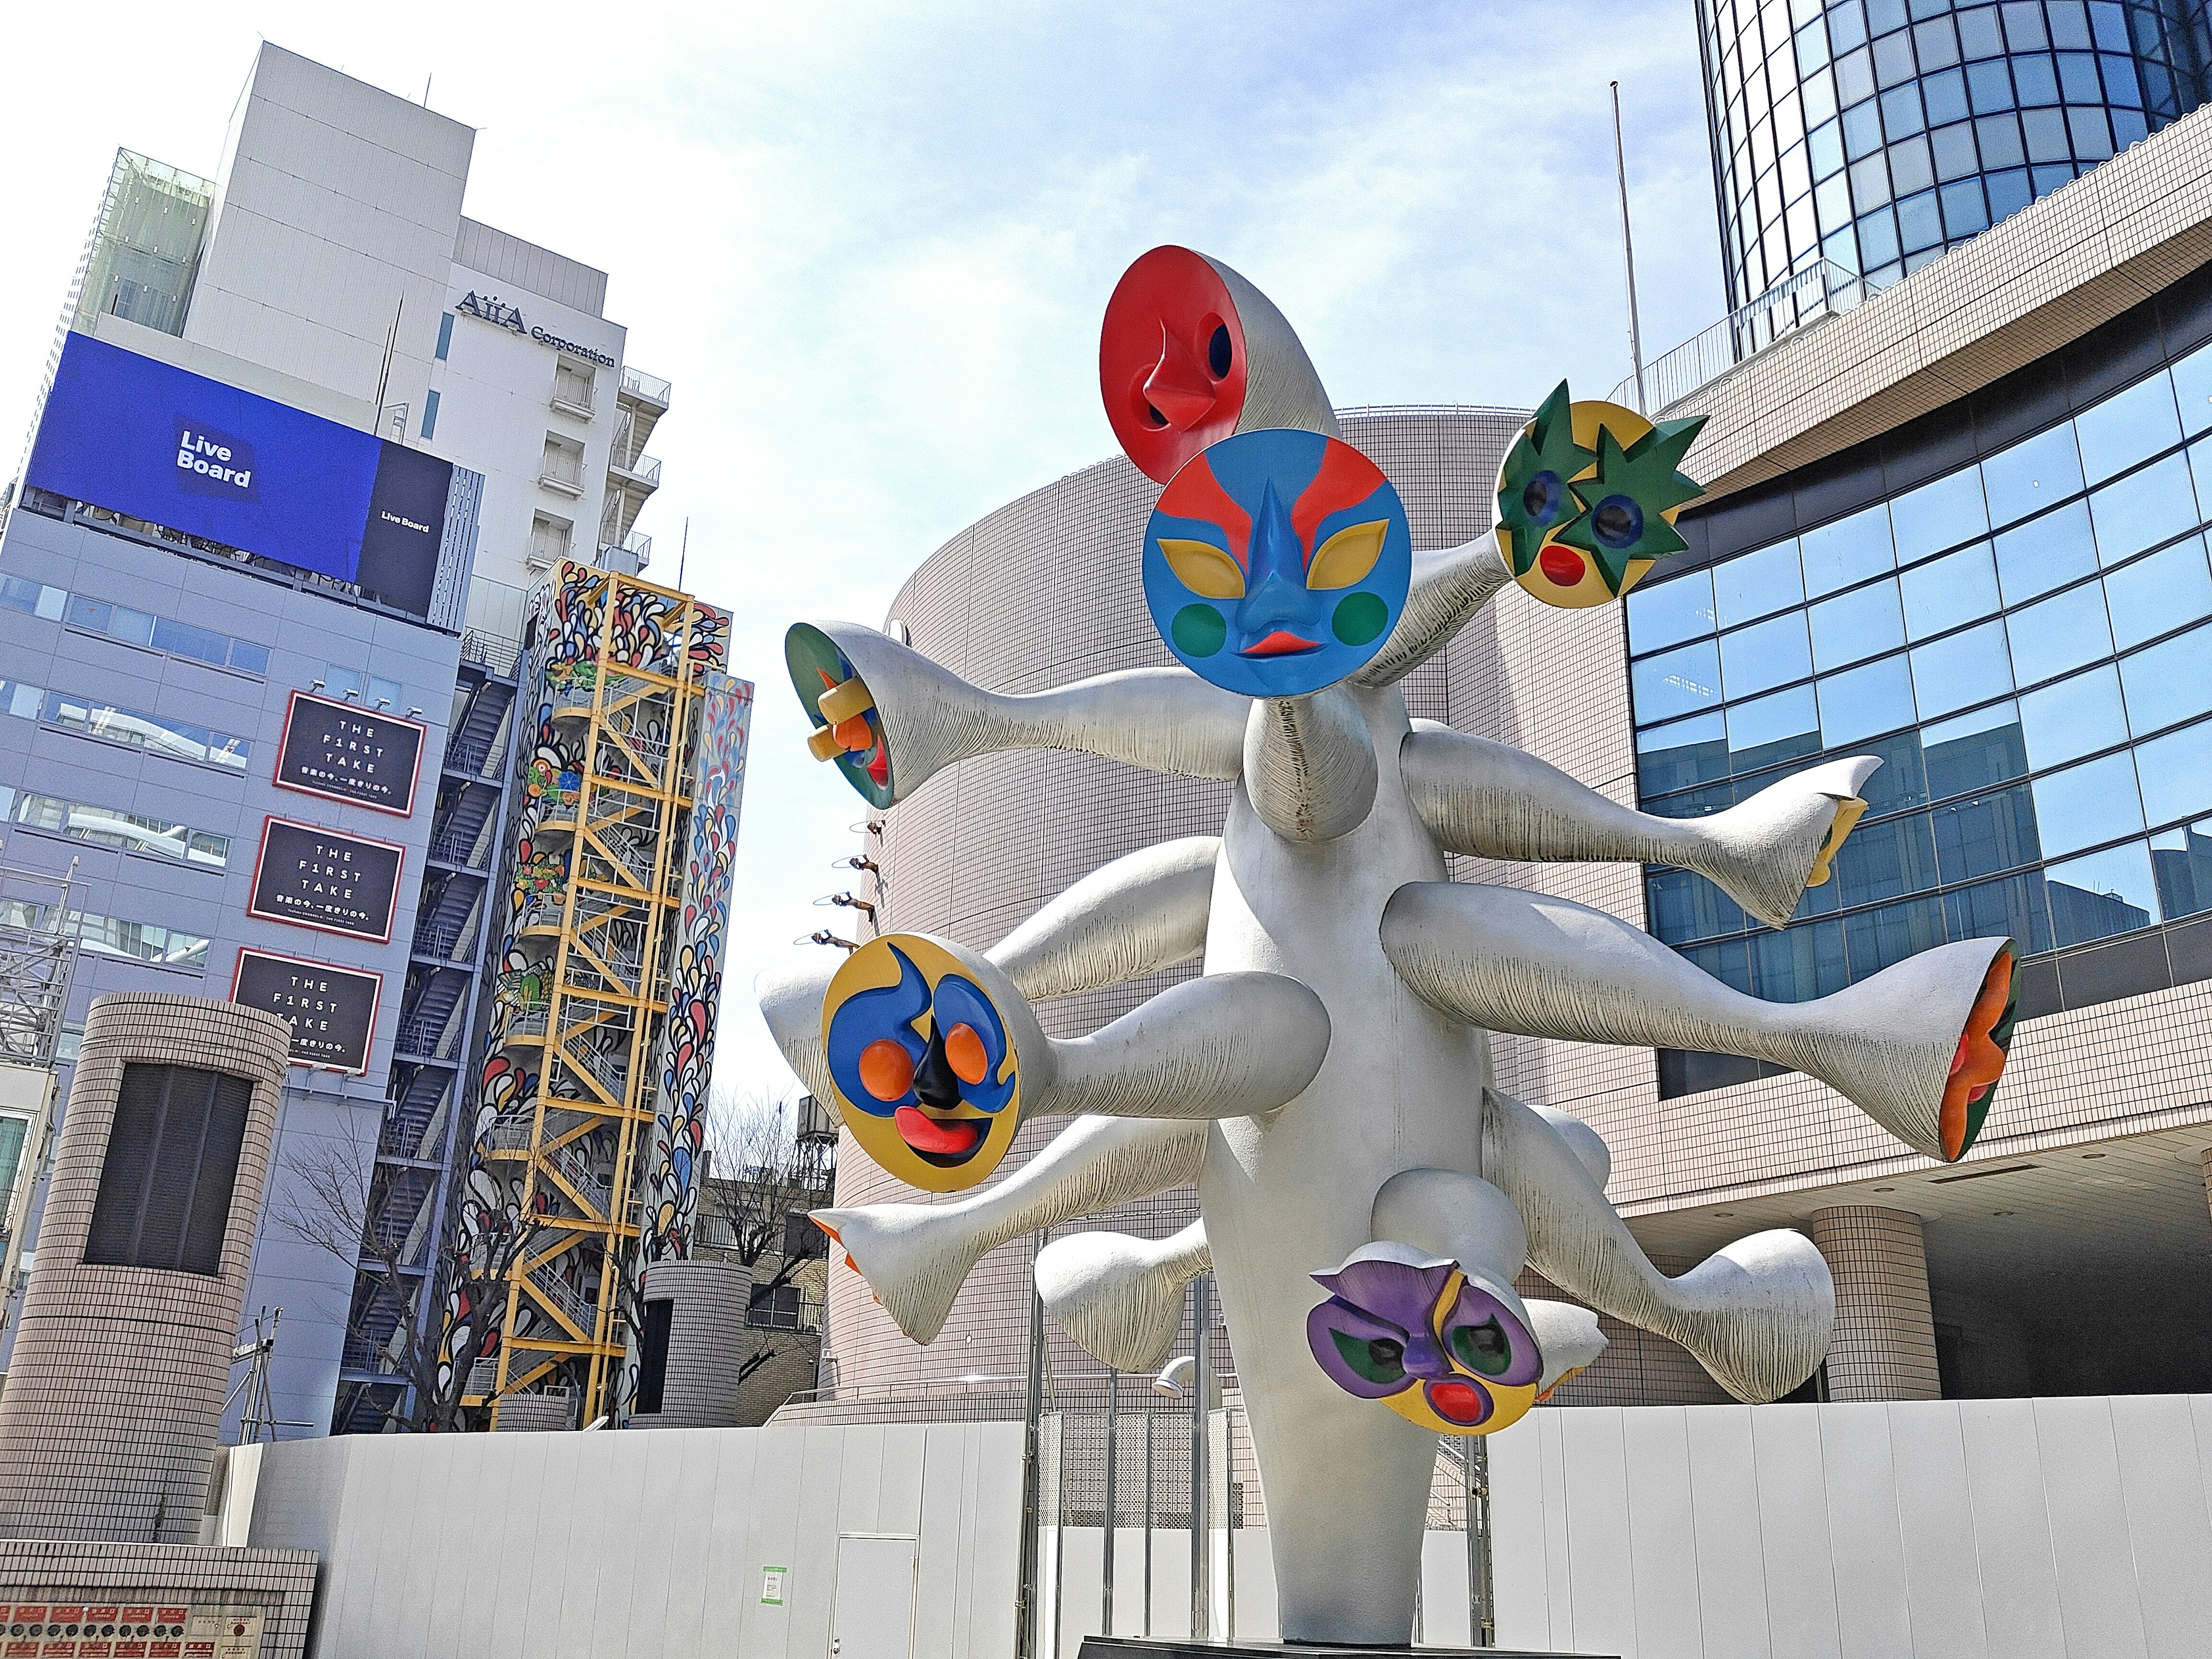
pixel 1944 1586
pixel 1865 1552
pixel 1793 1534
pixel 2088 1521
pixel 1661 1534
pixel 1724 1494
pixel 2011 1534
pixel 2163 1484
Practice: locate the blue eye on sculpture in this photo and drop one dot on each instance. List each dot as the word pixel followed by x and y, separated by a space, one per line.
pixel 1277 562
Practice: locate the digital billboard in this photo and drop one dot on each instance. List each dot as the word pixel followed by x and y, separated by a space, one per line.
pixel 342 752
pixel 157 443
pixel 317 878
pixel 331 1010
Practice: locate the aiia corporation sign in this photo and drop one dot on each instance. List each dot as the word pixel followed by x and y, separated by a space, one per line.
pixel 492 309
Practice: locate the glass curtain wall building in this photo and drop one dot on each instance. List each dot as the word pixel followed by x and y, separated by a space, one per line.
pixel 2025 640
pixel 1878 133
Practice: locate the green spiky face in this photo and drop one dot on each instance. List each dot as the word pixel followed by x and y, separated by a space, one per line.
pixel 1535 499
pixel 1628 496
pixel 1587 496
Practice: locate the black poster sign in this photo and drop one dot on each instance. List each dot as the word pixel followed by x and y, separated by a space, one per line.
pixel 342 752
pixel 317 878
pixel 331 1010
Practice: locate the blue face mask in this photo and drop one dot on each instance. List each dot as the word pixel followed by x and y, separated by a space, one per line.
pixel 1277 562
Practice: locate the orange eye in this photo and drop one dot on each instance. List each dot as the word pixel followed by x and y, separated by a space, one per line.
pixel 854 733
pixel 965 1052
pixel 886 1069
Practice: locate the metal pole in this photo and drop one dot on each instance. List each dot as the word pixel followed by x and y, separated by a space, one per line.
pixel 1201 1323
pixel 1481 1609
pixel 1628 252
pixel 1150 1416
pixel 1026 1589
pixel 1113 1511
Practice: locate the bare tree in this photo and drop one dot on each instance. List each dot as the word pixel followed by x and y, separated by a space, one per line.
pixel 345 1204
pixel 763 1176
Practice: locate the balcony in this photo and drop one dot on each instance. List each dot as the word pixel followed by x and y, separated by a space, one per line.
pixel 1813 295
pixel 643 473
pixel 573 395
pixel 640 387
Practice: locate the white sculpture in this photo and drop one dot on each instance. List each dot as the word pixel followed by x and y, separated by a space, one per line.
pixel 1326 1084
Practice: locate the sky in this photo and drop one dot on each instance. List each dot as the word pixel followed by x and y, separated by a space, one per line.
pixel 871 245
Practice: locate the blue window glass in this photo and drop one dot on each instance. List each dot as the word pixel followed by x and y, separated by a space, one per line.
pixel 2192 386
pixel 1824 147
pixel 1849 550
pixel 2159 594
pixel 1686 906
pixel 1812 48
pixel 182 640
pixel 1965 212
pixel 1978 34
pixel 1999 138
pixel 1945 97
pixel 2059 634
pixel 1870 187
pixel 1988 87
pixel 2144 510
pixel 2176 771
pixel 2009 193
pixel 1886 860
pixel 1937 515
pixel 1863 623
pixel 1862 129
pixel 1681 754
pixel 249 658
pixel 2036 81
pixel 430 415
pixel 2077 78
pixel 1764 655
pixel 1893 59
pixel 2092 135
pixel 1770 730
pixel 1901 115
pixel 1843 247
pixel 1729 962
pixel 2046 553
pixel 1878 238
pixel 2086 804
pixel 2121 86
pixel 2023 26
pixel 1877 698
pixel 2129 428
pixel 2011 907
pixel 2033 474
pixel 2073 718
pixel 1819 96
pixel 1961 670
pixel 1936 44
pixel 1946 592
pixel 1799 964
pixel 2109 25
pixel 1953 149
pixel 1901 783
pixel 1878 939
pixel 2170 681
pixel 1919 223
pixel 1832 203
pixel 1677 683
pixel 1974 750
pixel 1669 612
pixel 2105 893
pixel 1986 833
pixel 1846 27
pixel 445 336
pixel 1854 78
pixel 1757 584
pixel 2181 859
pixel 1911 167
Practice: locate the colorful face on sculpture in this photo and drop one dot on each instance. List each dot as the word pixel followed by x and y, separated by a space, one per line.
pixel 1588 497
pixel 1983 1048
pixel 854 739
pixel 922 1061
pixel 1277 562
pixel 1428 1342
pixel 1171 363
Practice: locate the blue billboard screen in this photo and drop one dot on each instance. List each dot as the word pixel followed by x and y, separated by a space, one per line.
pixel 158 442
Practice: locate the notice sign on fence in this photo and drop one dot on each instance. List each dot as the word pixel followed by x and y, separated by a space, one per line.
pixel 331 1010
pixel 115 1630
pixel 317 878
pixel 772 1587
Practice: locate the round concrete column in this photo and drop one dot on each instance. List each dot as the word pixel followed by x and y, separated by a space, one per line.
pixel 1885 1341
pixel 708 1342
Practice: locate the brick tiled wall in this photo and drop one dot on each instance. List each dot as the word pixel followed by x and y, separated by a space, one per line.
pixel 1885 1343
pixel 109 1411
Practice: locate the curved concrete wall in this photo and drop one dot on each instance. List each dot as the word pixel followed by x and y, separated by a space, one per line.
pixel 1044 592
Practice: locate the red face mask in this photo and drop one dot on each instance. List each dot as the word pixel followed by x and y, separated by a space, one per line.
pixel 1171 362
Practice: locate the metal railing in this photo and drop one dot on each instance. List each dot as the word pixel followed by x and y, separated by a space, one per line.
pixel 453 942
pixel 492 652
pixel 550 1287
pixel 645 470
pixel 650 387
pixel 423 1037
pixel 1821 291
pixel 471 852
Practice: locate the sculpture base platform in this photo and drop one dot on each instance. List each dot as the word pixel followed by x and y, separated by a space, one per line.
pixel 1173 1647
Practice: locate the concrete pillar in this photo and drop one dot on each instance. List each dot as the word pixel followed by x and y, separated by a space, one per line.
pixel 1885 1341
pixel 115 1396
pixel 708 1342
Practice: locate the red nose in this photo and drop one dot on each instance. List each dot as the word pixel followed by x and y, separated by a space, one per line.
pixel 1457 1402
pixel 1177 386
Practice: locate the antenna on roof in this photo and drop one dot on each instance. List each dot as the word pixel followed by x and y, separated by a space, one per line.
pixel 683 552
pixel 426 90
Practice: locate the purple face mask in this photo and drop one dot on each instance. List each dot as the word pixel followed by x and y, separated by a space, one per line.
pixel 1425 1339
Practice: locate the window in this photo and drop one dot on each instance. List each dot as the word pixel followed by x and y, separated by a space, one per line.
pixel 2176 771
pixel 1863 623
pixel 1669 612
pixel 2046 553
pixel 563 466
pixel 170 1169
pixel 2034 474
pixel 160 947
pixel 131 832
pixel 2105 893
pixel 430 413
pixel 177 739
pixel 1939 515
pixel 1756 584
pixel 549 538
pixel 444 338
pixel 1961 671
pixel 572 384
pixel 1849 550
pixel 2126 427
pixel 1875 698
pixel 2158 594
pixel 32 599
pixel 2144 510
pixel 2085 804
pixel 160 633
pixel 2073 718
pixel 2055 634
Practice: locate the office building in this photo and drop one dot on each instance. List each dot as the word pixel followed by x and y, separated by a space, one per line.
pixel 291 658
